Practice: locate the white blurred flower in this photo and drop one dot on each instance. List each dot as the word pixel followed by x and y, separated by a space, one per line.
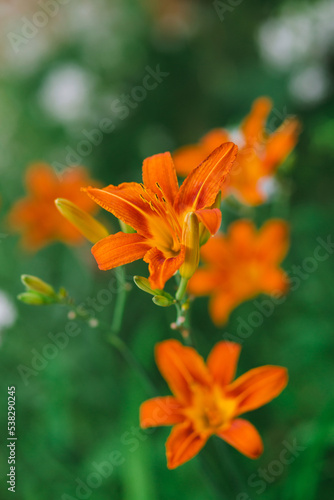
pixel 268 186
pixel 8 313
pixel 284 40
pixel 310 85
pixel 236 136
pixel 298 36
pixel 65 93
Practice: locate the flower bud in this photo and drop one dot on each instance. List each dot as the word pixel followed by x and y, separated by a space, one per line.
pixel 37 285
pixel 190 239
pixel 160 300
pixel 89 227
pixel 34 299
pixel 144 285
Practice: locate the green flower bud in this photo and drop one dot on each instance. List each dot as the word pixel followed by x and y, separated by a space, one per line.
pixel 34 299
pixel 37 285
pixel 160 300
pixel 144 285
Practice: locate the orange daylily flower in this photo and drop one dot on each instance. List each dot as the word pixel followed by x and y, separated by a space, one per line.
pixel 260 152
pixel 241 265
pixel 206 401
pixel 160 212
pixel 36 215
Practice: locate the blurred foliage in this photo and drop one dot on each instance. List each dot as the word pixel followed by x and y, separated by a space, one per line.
pixel 79 408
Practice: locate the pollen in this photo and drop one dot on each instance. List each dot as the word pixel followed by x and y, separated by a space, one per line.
pixel 211 411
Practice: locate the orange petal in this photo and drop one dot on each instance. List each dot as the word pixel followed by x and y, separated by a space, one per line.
pixel 222 361
pixel 274 281
pixel 200 188
pixel 119 249
pixel 187 158
pixel 181 367
pixel 203 282
pixel 257 387
pixel 216 250
pixel 273 241
pixel 211 218
pixel 41 179
pixel 243 436
pixel 159 169
pixel 242 235
pixel 247 171
pixel 125 203
pixel 281 143
pixel 162 268
pixel 182 445
pixel 254 123
pixel 221 305
pixel 213 139
pixel 160 411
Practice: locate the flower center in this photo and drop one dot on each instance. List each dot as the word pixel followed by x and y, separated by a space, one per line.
pixel 211 411
pixel 164 222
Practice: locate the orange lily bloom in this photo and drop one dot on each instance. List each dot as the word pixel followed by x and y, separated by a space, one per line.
pixel 36 215
pixel 160 212
pixel 241 265
pixel 206 400
pixel 260 152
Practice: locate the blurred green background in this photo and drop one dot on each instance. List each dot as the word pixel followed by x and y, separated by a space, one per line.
pixel 83 405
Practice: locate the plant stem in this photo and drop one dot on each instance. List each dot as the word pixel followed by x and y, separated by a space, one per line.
pixel 112 332
pixel 181 290
pixel 182 323
pixel 120 301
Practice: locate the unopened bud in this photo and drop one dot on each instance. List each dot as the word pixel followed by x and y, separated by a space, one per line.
pixel 190 239
pixel 37 285
pixel 34 299
pixel 144 285
pixel 89 227
pixel 160 300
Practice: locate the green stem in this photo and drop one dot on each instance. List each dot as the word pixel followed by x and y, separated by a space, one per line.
pixel 182 323
pixel 182 289
pixel 120 301
pixel 112 331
